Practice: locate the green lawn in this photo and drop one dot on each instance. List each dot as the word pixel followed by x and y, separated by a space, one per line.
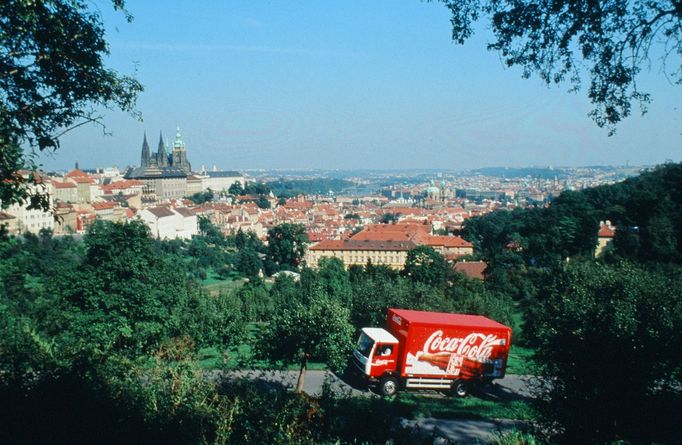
pixel 212 358
pixel 419 405
pixel 425 405
pixel 520 358
pixel 214 285
pixel 520 361
pixel 212 278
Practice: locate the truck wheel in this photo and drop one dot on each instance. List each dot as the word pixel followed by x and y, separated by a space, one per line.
pixel 460 388
pixel 388 386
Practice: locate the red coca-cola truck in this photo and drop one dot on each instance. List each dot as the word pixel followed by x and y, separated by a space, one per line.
pixel 432 350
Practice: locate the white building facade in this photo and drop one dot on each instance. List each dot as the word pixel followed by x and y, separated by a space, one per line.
pixel 170 223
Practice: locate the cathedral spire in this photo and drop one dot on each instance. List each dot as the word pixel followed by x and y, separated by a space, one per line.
pixel 161 156
pixel 146 156
pixel 161 144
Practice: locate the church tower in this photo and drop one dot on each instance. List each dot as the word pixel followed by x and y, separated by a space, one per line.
pixel 146 155
pixel 179 155
pixel 161 156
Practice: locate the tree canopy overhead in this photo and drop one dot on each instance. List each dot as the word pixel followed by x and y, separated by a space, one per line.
pixel 52 79
pixel 563 41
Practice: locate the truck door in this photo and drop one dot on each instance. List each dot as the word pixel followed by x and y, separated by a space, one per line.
pixel 384 359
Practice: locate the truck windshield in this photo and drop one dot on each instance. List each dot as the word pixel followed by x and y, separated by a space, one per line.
pixel 365 344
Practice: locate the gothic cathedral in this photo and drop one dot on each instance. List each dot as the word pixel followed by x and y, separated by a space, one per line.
pixel 160 159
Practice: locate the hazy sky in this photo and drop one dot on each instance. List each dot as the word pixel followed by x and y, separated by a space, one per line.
pixel 349 84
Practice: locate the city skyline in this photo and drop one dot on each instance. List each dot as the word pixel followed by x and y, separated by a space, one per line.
pixel 256 86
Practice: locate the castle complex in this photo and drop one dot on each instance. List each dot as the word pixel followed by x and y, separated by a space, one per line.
pixel 177 158
pixel 167 174
pixel 164 175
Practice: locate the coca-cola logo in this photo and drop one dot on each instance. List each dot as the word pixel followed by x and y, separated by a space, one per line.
pixel 475 346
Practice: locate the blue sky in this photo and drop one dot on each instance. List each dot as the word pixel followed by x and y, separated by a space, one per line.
pixel 380 84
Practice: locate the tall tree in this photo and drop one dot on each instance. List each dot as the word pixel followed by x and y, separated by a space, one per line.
pixel 335 279
pixel 236 189
pixel 609 42
pixel 316 327
pixel 52 79
pixel 286 246
pixel 425 265
pixel 248 262
pixel 126 297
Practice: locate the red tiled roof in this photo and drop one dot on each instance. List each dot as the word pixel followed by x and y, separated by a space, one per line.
pixel 606 232
pixel 83 180
pixel 317 236
pixel 251 197
pixel 472 269
pixel 63 185
pixel 122 185
pixel 352 244
pixel 76 173
pixel 328 245
pixel 291 204
pixel 446 241
pixel 391 232
pixel 103 205
pixel 382 236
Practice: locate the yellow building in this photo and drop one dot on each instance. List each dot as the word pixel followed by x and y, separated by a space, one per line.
pixel 359 252
pixel 388 244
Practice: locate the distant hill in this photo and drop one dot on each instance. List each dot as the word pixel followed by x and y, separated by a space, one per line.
pixel 522 172
pixel 646 211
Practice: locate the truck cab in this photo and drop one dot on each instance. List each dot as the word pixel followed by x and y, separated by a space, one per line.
pixel 376 356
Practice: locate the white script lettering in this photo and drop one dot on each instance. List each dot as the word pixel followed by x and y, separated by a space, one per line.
pixel 475 346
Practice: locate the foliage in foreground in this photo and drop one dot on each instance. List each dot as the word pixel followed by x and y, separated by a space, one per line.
pixel 514 438
pixel 311 325
pixel 607 340
pixel 82 333
pixel 168 400
pixel 117 345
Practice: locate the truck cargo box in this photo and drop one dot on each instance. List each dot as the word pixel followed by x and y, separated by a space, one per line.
pixel 443 345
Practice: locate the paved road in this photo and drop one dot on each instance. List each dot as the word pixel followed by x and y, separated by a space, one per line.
pixel 441 431
pixel 510 388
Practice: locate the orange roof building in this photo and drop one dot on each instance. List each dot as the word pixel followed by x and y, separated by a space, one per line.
pixel 77 173
pixel 604 238
pixel 472 269
pixel 387 244
pixel 359 252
